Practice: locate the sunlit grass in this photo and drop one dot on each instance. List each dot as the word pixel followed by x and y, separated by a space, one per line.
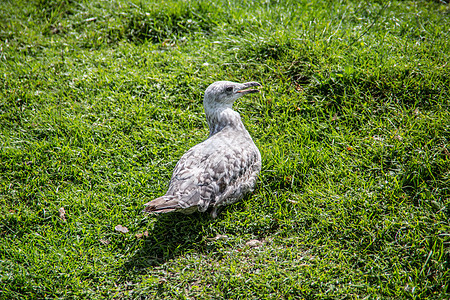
pixel 99 99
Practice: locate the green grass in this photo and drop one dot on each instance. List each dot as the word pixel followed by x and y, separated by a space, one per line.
pixel 99 99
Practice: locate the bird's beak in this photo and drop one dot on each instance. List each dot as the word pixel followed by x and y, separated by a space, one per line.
pixel 247 85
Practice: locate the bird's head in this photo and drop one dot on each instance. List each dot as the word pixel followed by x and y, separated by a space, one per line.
pixel 226 92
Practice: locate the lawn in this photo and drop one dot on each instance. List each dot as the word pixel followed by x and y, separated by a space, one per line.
pixel 99 99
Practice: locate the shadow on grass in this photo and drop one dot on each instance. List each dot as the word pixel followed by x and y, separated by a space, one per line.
pixel 171 235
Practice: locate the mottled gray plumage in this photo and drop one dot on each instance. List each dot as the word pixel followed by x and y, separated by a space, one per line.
pixel 223 168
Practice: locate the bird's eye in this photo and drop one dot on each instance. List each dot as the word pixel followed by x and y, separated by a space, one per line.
pixel 229 89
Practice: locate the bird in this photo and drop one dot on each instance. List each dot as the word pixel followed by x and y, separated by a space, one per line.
pixel 220 170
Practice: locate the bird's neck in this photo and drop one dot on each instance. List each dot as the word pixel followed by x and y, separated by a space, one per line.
pixel 220 117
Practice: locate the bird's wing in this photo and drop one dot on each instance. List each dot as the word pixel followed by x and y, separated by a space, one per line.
pixel 214 170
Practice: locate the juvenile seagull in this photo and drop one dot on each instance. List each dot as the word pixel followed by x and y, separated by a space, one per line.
pixel 223 168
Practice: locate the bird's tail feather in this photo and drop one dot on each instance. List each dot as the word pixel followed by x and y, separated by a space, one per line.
pixel 162 204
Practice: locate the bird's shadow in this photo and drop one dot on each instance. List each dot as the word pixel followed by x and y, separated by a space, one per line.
pixel 171 235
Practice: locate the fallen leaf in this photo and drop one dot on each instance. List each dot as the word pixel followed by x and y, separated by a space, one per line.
pixel 253 243
pixel 298 87
pixel 104 241
pixel 378 138
pixel 349 148
pixel 140 235
pixel 121 229
pixel 62 214
pixel 218 237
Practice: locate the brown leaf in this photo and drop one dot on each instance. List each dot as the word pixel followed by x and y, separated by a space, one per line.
pixel 140 235
pixel 298 87
pixel 62 214
pixel 121 229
